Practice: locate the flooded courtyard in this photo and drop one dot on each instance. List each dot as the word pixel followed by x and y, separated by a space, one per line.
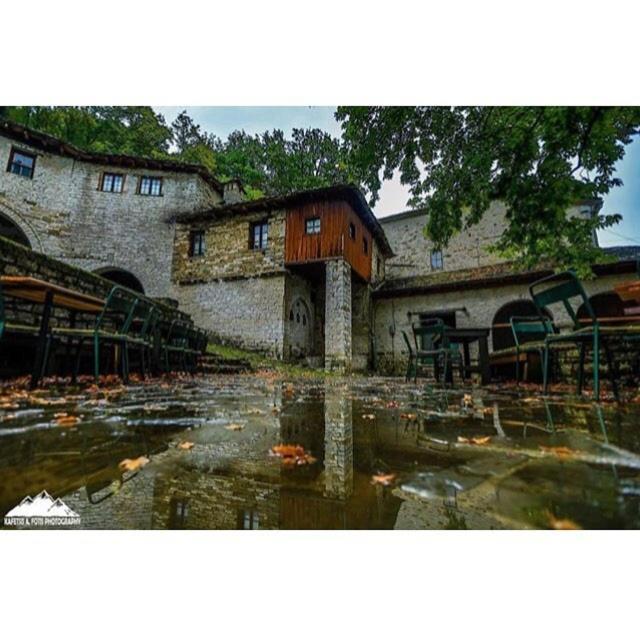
pixel 263 451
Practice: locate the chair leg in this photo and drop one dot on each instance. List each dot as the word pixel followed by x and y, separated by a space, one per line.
pixel 96 358
pixel 545 370
pixel 596 365
pixel 583 350
pixel 612 369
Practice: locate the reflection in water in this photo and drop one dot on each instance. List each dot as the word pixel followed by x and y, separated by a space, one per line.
pixel 460 460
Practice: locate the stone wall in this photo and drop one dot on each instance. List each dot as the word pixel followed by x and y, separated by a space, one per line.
pixel 481 307
pixel 227 250
pixel 337 348
pixel 244 312
pixel 468 249
pixel 64 214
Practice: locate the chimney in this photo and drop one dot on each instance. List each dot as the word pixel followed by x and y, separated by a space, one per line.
pixel 232 192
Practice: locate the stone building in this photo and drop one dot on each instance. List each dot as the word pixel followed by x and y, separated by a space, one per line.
pixel 313 276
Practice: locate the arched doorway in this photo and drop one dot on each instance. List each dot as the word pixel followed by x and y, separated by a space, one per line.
pixel 121 277
pixel 604 305
pixel 299 329
pixel 501 334
pixel 10 230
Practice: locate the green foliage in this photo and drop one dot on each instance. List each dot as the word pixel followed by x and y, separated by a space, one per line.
pixel 127 130
pixel 538 160
pixel 267 164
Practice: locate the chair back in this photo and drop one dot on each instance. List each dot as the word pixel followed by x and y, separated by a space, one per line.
pixel 118 310
pixel 407 343
pixel 530 329
pixel 562 288
pixel 145 314
pixel 429 334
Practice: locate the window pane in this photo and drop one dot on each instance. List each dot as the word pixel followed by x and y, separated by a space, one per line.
pixel 145 184
pixel 107 182
pixel 117 183
pixel 155 186
pixel 20 158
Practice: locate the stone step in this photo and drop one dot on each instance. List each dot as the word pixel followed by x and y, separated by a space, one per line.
pixel 214 363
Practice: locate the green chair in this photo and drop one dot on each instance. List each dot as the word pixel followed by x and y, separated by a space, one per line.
pixel 176 343
pixel 411 363
pixel 529 334
pixel 566 288
pixel 113 326
pixel 434 349
pixel 141 333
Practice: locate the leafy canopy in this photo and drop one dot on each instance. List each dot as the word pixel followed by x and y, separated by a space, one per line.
pixel 537 160
pixel 267 163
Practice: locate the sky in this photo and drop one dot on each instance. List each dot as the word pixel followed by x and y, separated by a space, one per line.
pixel 393 196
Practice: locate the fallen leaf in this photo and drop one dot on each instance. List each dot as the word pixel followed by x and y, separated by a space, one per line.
pixel 368 416
pixel 9 405
pixel 479 440
pixel 292 454
pixel 561 524
pixel 185 446
pixel 409 416
pixel 234 426
pixel 385 479
pixel 392 404
pixel 133 464
pixel 561 452
pixel 65 420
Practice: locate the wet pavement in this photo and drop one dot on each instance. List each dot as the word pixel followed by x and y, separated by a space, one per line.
pixel 372 453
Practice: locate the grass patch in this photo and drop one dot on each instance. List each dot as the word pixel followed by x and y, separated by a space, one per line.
pixel 261 361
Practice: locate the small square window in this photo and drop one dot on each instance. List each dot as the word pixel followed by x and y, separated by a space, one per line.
pixel 258 235
pixel 365 246
pixel 21 163
pixel 196 243
pixel 249 519
pixel 150 186
pixel 436 260
pixel 312 226
pixel 352 231
pixel 112 182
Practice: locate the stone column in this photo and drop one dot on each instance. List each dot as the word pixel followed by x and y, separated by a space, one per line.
pixel 337 323
pixel 338 444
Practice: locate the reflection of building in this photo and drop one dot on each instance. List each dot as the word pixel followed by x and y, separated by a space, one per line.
pixel 250 493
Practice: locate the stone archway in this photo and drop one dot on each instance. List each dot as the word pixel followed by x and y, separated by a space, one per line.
pixel 9 229
pixel 299 329
pixel 122 277
pixel 501 334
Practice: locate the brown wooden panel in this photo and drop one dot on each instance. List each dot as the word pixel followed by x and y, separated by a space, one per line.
pixel 332 241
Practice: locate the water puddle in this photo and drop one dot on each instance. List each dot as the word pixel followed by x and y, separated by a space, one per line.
pixel 367 453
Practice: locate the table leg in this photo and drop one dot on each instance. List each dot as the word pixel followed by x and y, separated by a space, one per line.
pixel 485 371
pixel 467 359
pixel 41 345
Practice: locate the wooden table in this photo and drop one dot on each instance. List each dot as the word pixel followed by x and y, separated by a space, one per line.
pixel 466 336
pixel 49 295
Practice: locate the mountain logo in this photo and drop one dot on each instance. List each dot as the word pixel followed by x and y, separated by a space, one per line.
pixel 41 511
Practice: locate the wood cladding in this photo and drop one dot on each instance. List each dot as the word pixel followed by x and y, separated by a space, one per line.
pixel 334 239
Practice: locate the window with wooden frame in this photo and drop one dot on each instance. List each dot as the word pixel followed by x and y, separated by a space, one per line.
pixel 21 163
pixel 312 226
pixel 196 243
pixel 365 246
pixel 248 519
pixel 258 235
pixel 352 231
pixel 112 182
pixel 436 260
pixel 150 186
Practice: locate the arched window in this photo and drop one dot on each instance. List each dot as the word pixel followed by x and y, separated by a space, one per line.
pixel 9 229
pixel 121 277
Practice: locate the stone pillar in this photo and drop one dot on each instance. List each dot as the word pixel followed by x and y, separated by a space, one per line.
pixel 338 444
pixel 337 323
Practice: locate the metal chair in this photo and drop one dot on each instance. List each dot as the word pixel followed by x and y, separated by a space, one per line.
pixel 434 348
pixel 529 334
pixel 564 288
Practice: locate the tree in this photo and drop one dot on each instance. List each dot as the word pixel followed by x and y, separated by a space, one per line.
pixel 126 130
pixel 537 160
